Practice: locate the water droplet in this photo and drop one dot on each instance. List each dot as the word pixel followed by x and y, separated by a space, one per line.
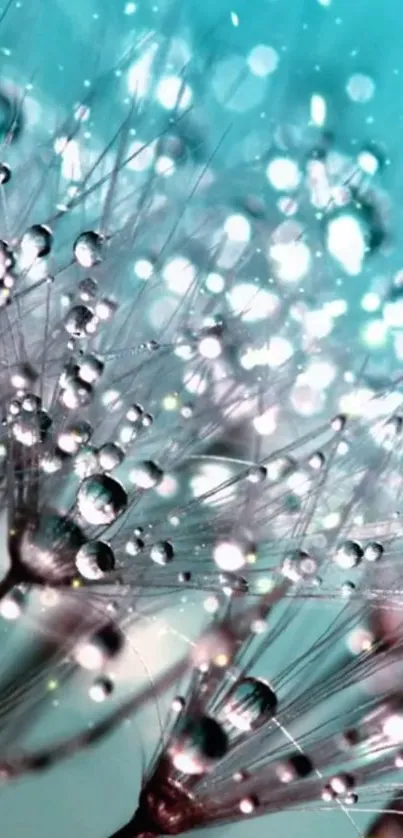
pixel 250 704
pixel 88 249
pixel 95 559
pixel 5 173
pixel 78 320
pixel 101 689
pixel 162 552
pixel 146 475
pixel 47 547
pixel 100 500
pixel 199 742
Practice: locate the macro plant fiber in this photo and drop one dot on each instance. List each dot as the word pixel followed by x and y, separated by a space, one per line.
pixel 201 418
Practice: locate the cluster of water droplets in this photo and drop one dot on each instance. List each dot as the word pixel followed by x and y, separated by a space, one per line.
pixel 188 416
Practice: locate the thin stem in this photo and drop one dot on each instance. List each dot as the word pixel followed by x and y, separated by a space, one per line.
pixel 165 808
pixel 138 825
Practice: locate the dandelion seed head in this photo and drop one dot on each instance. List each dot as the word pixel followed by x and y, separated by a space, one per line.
pixel 201 429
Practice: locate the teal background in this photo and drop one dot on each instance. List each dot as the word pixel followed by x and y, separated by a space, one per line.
pixel 60 45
